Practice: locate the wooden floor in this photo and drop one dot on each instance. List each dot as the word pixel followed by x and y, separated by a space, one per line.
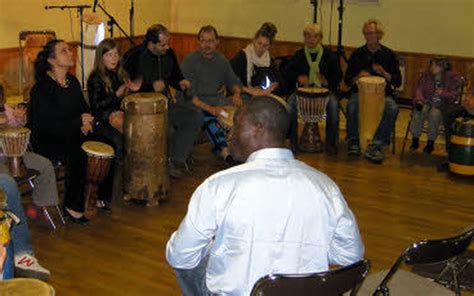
pixel 396 203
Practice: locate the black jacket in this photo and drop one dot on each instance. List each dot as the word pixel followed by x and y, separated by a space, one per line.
pixel 54 117
pixel 298 65
pixel 140 62
pixel 103 102
pixel 362 59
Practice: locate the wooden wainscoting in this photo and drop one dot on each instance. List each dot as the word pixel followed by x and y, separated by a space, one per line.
pixel 184 43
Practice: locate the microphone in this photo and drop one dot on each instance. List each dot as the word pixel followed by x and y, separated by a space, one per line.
pixel 95 5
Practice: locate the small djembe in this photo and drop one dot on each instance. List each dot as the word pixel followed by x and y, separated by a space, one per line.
pixel 311 103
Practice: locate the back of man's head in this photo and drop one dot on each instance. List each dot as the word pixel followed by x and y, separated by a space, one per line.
pixel 153 33
pixel 271 114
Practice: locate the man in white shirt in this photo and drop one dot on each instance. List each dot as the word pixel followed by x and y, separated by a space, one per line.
pixel 272 214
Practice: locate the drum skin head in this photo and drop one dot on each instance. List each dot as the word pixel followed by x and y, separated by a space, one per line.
pixel 312 92
pixel 11 131
pixel 145 97
pixel 98 149
pixel 372 79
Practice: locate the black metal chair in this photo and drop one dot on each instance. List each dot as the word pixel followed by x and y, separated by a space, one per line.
pixel 28 178
pixel 334 282
pixel 428 252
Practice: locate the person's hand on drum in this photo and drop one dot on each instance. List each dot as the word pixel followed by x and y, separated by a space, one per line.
pixel 134 85
pixel 217 111
pixel 322 79
pixel 184 84
pixel 381 71
pixel 159 86
pixel 236 100
pixel 303 80
pixel 116 120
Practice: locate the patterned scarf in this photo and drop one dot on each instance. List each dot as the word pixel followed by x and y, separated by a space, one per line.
pixel 314 65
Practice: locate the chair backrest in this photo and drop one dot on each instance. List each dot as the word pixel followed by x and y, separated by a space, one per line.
pixel 334 282
pixel 427 252
pixel 433 251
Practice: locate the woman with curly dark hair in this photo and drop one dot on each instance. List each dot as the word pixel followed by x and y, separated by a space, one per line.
pixel 57 115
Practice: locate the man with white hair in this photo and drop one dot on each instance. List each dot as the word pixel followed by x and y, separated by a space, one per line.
pixel 372 59
pixel 315 65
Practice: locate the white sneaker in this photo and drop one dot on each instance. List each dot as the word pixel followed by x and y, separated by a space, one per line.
pixel 27 266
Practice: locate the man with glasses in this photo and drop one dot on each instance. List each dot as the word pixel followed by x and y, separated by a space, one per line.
pixel 372 59
pixel 211 77
pixel 156 64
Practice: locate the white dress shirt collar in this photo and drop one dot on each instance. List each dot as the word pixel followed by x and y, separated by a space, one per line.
pixel 271 153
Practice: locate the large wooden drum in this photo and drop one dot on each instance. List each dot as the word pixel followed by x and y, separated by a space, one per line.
pixel 461 150
pixel 371 106
pixel 145 131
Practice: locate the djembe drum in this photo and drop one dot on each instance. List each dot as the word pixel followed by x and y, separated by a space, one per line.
pixel 145 130
pixel 26 287
pixel 99 157
pixel 311 104
pixel 14 141
pixel 461 150
pixel 371 106
pixel 226 120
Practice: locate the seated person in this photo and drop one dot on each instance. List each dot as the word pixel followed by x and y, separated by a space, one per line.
pixel 453 111
pixel 107 85
pixel 372 59
pixel 255 67
pixel 272 214
pixel 209 72
pixel 315 65
pixel 58 117
pixel 156 64
pixel 437 88
pixel 26 265
pixel 45 191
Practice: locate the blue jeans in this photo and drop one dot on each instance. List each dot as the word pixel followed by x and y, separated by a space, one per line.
pixel 385 128
pixel 332 119
pixel 20 235
pixel 193 281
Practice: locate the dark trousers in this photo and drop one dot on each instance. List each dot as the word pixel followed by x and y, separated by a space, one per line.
pixel 74 179
pixel 184 124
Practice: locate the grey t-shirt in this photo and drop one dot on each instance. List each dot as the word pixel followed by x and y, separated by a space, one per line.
pixel 208 77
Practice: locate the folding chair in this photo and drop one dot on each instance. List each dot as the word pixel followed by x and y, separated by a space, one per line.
pixel 429 252
pixel 334 282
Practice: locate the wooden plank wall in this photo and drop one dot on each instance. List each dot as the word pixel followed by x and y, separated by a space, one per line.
pixel 184 43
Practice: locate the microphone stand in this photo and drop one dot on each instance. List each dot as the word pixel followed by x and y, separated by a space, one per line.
pixel 340 48
pixel 315 13
pixel 132 19
pixel 113 22
pixel 80 9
